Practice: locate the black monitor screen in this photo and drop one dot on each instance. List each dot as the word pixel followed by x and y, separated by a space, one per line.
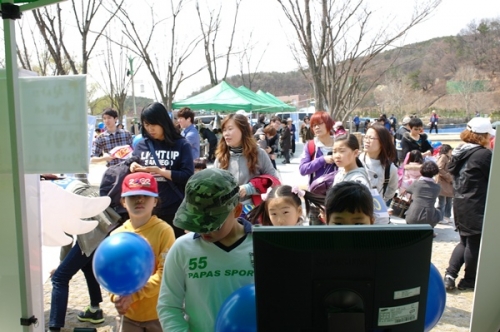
pixel 342 278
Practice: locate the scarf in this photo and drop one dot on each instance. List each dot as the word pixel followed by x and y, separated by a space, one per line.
pixel 238 150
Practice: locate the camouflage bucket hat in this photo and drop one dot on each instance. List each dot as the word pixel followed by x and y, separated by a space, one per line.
pixel 211 195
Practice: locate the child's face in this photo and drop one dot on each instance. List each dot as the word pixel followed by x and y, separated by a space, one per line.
pixel 282 212
pixel 225 228
pixel 347 218
pixel 415 131
pixel 138 206
pixel 343 155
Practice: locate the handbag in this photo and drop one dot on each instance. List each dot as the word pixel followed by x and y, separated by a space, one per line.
pixel 400 205
pixel 323 183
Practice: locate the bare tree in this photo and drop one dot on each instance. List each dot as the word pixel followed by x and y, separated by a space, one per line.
pixel 483 44
pixel 33 55
pixel 392 95
pixel 466 84
pixel 50 22
pixel 249 70
pixel 115 75
pixel 141 45
pixel 210 33
pixel 338 47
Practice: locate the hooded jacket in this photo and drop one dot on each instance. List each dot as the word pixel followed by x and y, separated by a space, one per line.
pixel 161 237
pixel 470 167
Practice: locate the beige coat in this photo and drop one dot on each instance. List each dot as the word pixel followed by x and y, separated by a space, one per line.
pixel 444 177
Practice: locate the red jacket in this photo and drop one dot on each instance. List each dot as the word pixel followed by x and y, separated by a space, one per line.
pixel 262 183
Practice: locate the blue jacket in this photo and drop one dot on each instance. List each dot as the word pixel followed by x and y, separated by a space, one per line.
pixel 193 137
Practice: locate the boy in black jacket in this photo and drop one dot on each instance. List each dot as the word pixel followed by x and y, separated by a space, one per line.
pixel 416 139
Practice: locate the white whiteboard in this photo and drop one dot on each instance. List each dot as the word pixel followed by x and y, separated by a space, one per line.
pixel 54 124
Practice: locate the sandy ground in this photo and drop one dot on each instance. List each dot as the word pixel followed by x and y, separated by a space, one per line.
pixel 458 303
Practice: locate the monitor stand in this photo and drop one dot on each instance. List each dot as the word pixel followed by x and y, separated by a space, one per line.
pixel 345 310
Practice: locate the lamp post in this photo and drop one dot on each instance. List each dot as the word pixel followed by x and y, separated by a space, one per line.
pixel 131 73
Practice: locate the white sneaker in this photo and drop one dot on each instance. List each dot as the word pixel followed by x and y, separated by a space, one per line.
pixel 447 220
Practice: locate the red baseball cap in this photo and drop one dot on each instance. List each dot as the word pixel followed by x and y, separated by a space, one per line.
pixel 139 183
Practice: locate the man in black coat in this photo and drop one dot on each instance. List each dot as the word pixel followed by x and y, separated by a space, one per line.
pixel 207 134
pixel 285 141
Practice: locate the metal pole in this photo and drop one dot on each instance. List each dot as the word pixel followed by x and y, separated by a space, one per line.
pixel 15 186
pixel 132 74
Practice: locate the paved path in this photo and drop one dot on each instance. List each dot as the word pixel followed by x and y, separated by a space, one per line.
pixel 443 244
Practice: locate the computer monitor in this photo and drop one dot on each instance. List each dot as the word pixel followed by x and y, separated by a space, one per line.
pixel 342 278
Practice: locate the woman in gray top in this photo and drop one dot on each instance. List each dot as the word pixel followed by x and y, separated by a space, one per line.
pixel 424 192
pixel 238 153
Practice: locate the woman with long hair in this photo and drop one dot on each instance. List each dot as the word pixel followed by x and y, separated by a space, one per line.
pixel 167 155
pixel 470 167
pixel 377 158
pixel 317 159
pixel 238 153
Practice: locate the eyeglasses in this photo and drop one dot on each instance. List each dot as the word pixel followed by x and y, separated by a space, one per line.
pixel 370 138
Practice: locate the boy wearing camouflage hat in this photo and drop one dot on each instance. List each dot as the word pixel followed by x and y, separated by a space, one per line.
pixel 206 265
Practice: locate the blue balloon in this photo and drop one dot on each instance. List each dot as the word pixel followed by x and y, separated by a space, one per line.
pixel 436 144
pixel 436 299
pixel 238 312
pixel 136 140
pixel 100 125
pixel 123 263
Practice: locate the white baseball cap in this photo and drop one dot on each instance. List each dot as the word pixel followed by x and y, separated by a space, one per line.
pixel 481 126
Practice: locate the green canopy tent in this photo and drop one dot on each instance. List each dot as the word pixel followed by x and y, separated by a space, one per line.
pixel 223 97
pixel 272 107
pixel 270 97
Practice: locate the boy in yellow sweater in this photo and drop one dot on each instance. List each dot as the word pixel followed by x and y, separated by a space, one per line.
pixel 139 197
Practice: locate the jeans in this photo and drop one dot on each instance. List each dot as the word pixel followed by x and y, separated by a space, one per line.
pixel 445 206
pixel 74 261
pixel 466 252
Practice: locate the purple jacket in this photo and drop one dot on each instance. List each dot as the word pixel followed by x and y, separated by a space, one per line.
pixel 316 167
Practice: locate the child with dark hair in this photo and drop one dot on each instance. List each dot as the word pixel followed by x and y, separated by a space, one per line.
pixel 283 206
pixel 349 203
pixel 424 192
pixel 411 169
pixel 416 139
pixel 345 156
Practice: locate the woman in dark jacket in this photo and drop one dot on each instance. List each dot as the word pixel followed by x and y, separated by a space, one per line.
pixel 173 164
pixel 470 168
